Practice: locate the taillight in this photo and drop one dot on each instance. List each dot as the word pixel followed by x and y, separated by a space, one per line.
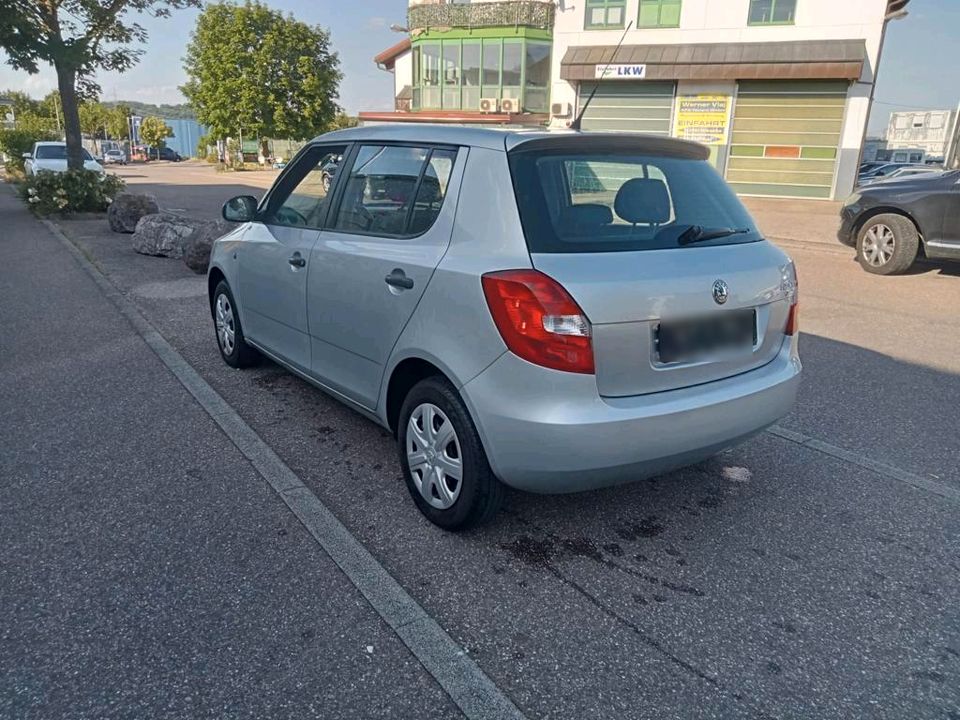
pixel 793 320
pixel 538 320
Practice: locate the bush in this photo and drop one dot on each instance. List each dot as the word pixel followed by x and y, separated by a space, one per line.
pixel 70 191
pixel 14 142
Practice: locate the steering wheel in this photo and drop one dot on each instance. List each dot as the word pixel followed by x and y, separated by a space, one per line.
pixel 288 216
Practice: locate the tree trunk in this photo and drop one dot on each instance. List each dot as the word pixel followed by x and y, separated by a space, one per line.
pixel 66 83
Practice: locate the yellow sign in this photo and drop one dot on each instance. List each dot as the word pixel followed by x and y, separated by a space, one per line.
pixel 703 118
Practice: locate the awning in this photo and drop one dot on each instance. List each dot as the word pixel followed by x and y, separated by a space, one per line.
pixel 799 60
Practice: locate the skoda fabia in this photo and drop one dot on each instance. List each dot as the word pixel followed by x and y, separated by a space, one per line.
pixel 550 311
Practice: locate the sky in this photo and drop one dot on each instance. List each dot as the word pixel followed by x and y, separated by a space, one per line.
pixel 918 69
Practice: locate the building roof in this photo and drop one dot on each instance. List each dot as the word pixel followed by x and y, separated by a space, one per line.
pixel 802 59
pixel 388 57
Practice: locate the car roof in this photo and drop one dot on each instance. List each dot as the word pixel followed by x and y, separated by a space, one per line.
pixel 49 142
pixel 511 138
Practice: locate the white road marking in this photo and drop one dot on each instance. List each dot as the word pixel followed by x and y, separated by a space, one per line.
pixel 737 474
pixel 467 685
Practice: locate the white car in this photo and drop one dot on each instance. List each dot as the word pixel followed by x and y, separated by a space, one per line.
pixel 114 157
pixel 52 156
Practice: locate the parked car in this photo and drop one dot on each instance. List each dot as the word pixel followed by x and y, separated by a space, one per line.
pixel 164 153
pixel 52 156
pixel 114 157
pixel 329 172
pixel 551 311
pixel 870 165
pixel 902 172
pixel 890 223
pixel 878 172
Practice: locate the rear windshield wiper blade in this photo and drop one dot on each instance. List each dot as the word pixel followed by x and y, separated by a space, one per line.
pixel 698 233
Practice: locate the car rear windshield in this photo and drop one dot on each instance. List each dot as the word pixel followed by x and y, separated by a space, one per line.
pixel 57 152
pixel 574 202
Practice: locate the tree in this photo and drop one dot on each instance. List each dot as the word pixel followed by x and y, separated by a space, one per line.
pixel 153 131
pixel 92 115
pixel 76 37
pixel 117 121
pixel 253 71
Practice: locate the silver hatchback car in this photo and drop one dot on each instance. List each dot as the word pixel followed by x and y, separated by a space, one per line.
pixel 554 311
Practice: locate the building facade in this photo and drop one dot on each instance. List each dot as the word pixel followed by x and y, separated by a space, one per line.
pixel 780 90
pixel 926 130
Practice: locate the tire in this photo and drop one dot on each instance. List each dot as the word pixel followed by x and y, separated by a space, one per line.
pixel 236 354
pixel 887 244
pixel 478 493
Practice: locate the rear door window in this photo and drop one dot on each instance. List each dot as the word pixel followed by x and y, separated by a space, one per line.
pixel 394 191
pixel 571 202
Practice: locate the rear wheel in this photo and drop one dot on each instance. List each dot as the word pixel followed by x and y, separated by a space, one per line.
pixel 444 464
pixel 887 244
pixel 233 348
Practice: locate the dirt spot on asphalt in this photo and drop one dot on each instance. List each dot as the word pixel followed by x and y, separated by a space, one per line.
pixel 647 528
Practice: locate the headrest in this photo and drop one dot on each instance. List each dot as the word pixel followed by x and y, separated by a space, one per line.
pixel 643 200
pixel 590 215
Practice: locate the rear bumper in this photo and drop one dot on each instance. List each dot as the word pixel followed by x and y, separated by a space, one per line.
pixel 551 432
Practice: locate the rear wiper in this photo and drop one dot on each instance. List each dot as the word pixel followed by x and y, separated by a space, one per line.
pixel 698 233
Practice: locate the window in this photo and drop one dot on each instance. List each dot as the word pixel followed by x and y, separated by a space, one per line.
pixel 585 202
pixel 659 13
pixel 772 12
pixel 394 191
pixel 471 75
pixel 58 152
pixel 491 68
pixel 310 179
pixel 512 68
pixel 433 188
pixel 430 79
pixel 537 85
pixel 605 14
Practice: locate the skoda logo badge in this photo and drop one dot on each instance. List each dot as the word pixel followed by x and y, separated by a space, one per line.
pixel 720 292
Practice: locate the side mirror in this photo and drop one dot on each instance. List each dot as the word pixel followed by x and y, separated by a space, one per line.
pixel 240 209
pixel 27 156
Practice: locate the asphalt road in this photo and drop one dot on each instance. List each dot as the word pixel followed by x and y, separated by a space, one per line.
pixel 148 575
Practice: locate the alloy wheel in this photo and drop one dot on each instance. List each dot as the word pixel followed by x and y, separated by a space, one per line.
pixel 879 244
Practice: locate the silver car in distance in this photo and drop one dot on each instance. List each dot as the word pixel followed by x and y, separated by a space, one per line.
pixel 553 311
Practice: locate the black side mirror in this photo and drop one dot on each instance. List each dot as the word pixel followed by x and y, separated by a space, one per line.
pixel 240 209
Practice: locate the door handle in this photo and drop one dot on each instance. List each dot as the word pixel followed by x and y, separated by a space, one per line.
pixel 398 279
pixel 297 260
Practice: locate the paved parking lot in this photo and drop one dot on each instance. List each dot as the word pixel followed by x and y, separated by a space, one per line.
pixel 812 572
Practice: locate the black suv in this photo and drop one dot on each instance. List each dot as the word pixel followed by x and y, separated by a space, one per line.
pixel 890 223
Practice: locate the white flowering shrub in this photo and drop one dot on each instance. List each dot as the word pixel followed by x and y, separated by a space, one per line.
pixel 70 191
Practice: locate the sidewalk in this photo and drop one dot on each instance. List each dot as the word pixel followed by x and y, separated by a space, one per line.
pixel 815 221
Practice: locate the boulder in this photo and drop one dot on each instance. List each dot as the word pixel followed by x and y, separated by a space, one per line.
pixel 196 251
pixel 127 208
pixel 164 234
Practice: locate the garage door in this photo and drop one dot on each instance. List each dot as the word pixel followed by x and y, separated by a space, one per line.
pixel 785 137
pixel 633 106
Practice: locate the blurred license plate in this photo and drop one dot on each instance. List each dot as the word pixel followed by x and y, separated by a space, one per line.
pixel 690 340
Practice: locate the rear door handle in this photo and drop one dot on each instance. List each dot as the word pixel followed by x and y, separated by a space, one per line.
pixel 399 279
pixel 297 260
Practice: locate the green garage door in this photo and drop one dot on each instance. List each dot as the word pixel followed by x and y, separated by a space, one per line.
pixel 634 106
pixel 785 137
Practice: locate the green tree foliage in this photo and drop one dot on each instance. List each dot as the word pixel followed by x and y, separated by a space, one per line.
pixel 253 71
pixel 153 131
pixel 117 121
pixel 76 37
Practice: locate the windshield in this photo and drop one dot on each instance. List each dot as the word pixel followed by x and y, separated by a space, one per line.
pixel 57 152
pixel 577 203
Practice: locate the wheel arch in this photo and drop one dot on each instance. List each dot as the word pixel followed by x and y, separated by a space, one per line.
pixel 884 210
pixel 405 374
pixel 214 277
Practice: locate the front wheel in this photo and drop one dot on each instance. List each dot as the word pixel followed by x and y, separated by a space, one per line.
pixel 233 347
pixel 887 244
pixel 444 464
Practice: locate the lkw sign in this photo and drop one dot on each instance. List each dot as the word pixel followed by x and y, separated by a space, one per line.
pixel 620 72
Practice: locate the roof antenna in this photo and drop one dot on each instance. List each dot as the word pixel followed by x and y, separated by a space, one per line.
pixel 578 121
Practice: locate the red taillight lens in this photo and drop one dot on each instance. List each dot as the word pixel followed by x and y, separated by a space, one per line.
pixel 793 320
pixel 538 320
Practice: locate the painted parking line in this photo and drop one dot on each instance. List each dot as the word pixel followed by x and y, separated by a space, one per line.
pixel 467 685
pixel 864 461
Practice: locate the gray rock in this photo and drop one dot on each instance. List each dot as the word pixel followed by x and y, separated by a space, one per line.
pixel 127 208
pixel 196 251
pixel 164 234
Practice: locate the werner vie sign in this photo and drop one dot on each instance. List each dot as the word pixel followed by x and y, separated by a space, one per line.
pixel 621 72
